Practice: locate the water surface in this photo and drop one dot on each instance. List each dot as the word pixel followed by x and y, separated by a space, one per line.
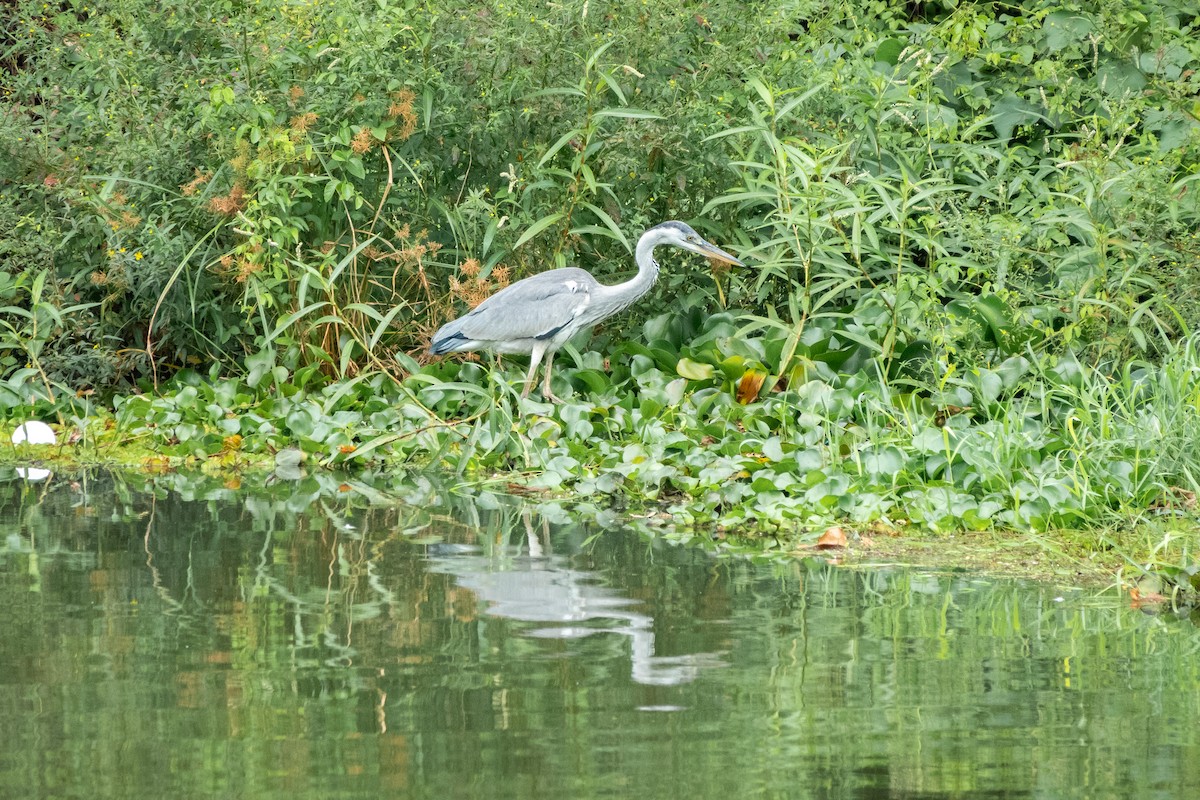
pixel 180 637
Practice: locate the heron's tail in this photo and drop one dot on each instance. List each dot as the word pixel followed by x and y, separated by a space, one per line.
pixel 447 341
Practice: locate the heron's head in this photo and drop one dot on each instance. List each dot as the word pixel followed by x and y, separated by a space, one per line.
pixel 681 235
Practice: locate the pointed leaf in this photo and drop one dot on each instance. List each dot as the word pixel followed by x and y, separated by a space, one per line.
pixel 628 113
pixel 538 227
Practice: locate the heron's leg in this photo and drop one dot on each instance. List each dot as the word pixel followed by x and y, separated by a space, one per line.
pixel 535 358
pixel 546 392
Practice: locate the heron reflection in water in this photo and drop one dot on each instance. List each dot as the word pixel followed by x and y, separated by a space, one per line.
pixel 541 588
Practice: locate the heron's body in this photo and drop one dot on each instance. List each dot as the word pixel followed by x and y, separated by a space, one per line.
pixel 539 314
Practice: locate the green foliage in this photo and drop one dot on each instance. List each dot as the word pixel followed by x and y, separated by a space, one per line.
pixel 1026 446
pixel 1021 446
pixel 885 161
pixel 971 231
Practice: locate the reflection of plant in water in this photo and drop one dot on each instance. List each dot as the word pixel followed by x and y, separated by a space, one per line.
pixel 242 622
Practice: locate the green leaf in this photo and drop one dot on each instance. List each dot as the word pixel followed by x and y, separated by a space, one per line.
pixel 693 370
pixel 1065 28
pixel 287 322
pixel 562 141
pixel 559 91
pixel 1012 111
pixel 612 226
pixel 628 113
pixel 614 87
pixel 537 227
pixel 930 440
pixel 757 85
pixel 889 51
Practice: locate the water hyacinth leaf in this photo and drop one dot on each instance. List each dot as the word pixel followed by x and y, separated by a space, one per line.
pixel 826 493
pixel 662 327
pixel 260 365
pixel 300 422
pixel 694 371
pixel 883 461
pixel 1012 369
pixel 808 460
pixel 675 391
pixel 732 368
pixel 996 315
pixel 594 381
pixel 322 431
pixel 187 397
pixel 652 403
pixel 579 427
pixel 987 385
pixel 914 356
pixel 930 440
pixel 665 357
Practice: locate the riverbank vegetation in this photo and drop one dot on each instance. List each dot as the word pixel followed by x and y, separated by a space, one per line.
pixel 972 233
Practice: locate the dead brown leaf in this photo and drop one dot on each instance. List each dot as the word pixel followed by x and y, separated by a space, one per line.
pixel 833 537
pixel 1176 498
pixel 749 386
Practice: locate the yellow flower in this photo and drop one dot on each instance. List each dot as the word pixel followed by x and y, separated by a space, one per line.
pixel 137 256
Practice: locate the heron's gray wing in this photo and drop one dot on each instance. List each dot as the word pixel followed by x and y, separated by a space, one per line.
pixel 538 307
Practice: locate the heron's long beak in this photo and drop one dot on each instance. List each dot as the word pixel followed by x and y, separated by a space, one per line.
pixel 712 251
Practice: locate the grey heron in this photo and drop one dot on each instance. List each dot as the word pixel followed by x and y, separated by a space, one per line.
pixel 538 314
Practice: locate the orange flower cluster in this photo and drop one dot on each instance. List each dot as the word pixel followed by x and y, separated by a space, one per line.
pixel 412 248
pixel 241 270
pixel 302 122
pixel 475 289
pixel 127 219
pixel 191 187
pixel 362 141
pixel 245 269
pixel 229 204
pixel 402 108
pixel 117 215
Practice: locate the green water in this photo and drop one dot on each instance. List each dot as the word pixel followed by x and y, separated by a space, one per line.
pixel 175 637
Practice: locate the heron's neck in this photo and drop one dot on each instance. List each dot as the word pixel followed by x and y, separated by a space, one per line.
pixel 647 272
pixel 613 299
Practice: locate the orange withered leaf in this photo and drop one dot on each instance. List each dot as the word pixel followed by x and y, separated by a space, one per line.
pixel 833 537
pixel 749 386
